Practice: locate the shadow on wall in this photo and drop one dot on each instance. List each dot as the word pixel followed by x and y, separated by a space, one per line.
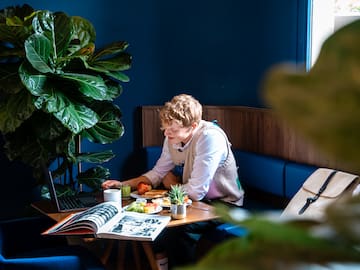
pixel 135 164
pixel 18 188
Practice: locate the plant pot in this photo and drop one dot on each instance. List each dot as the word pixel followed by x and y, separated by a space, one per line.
pixel 178 211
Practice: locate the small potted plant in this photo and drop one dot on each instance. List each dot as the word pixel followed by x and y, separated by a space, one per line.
pixel 177 197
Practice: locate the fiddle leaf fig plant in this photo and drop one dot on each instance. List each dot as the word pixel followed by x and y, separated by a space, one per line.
pixel 57 89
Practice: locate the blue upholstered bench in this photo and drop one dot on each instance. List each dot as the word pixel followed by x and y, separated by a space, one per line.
pixel 294 177
pixel 269 182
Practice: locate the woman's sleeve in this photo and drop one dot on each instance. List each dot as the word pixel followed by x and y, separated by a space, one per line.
pixel 211 151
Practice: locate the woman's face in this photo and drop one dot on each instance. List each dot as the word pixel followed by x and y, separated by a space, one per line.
pixel 176 133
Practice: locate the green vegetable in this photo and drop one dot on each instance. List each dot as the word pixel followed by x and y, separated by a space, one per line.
pixel 136 207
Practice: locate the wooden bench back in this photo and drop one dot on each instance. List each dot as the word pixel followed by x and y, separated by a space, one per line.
pixel 251 129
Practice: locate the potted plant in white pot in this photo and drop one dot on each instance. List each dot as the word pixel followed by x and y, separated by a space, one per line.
pixel 177 197
pixel 56 88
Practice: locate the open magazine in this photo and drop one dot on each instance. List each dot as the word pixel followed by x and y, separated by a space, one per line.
pixel 108 220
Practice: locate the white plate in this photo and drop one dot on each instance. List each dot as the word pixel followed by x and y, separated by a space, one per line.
pixel 161 202
pixel 157 210
pixel 166 202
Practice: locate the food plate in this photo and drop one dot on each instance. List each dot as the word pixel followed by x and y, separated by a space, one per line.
pixel 152 194
pixel 165 201
pixel 157 210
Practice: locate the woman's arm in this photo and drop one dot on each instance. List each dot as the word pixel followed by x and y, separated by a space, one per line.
pixel 133 182
pixel 211 151
pixel 152 177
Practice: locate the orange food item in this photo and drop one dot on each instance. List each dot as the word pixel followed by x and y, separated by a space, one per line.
pixel 143 187
pixel 150 207
pixel 186 199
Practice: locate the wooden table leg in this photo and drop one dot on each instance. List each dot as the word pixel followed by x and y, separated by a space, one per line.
pixel 121 254
pixel 137 257
pixel 150 255
pixel 107 252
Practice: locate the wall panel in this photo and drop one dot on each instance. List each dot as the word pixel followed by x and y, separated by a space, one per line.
pixel 252 129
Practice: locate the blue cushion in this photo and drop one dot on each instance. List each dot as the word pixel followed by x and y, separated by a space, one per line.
pixel 261 171
pixel 222 232
pixel 152 154
pixel 232 230
pixel 295 176
pixel 34 251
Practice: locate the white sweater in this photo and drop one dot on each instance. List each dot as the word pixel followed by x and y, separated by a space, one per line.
pixel 210 169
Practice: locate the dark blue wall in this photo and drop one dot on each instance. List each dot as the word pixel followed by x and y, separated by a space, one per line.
pixel 217 51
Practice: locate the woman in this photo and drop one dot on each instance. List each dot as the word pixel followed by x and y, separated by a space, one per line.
pixel 196 153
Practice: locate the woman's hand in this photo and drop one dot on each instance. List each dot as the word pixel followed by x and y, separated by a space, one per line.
pixel 133 182
pixel 111 184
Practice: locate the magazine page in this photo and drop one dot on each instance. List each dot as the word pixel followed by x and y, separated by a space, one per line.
pixel 88 221
pixel 134 226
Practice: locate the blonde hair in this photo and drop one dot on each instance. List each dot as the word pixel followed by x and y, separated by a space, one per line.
pixel 184 109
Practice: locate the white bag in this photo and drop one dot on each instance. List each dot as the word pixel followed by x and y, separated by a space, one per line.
pixel 322 188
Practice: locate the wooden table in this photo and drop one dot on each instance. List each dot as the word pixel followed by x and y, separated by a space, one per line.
pixel 196 212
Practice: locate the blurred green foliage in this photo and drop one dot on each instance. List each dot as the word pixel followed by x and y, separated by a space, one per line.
pixel 323 105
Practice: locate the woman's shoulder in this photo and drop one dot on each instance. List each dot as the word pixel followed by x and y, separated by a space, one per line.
pixel 210 127
pixel 209 131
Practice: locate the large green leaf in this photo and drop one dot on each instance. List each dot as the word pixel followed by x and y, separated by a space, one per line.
pixel 76 117
pixel 118 63
pixel 52 102
pixel 117 75
pixel 90 86
pixel 14 34
pixel 63 33
pixel 53 136
pixel 104 132
pixel 9 79
pixel 15 24
pixel 109 128
pixel 21 12
pixel 24 144
pixel 97 157
pixel 114 89
pixel 109 50
pixel 49 128
pixel 83 33
pixel 57 28
pixel 43 23
pixel 111 60
pixel 38 52
pixel 15 110
pixel 27 149
pixel 39 137
pixel 93 177
pixel 34 82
